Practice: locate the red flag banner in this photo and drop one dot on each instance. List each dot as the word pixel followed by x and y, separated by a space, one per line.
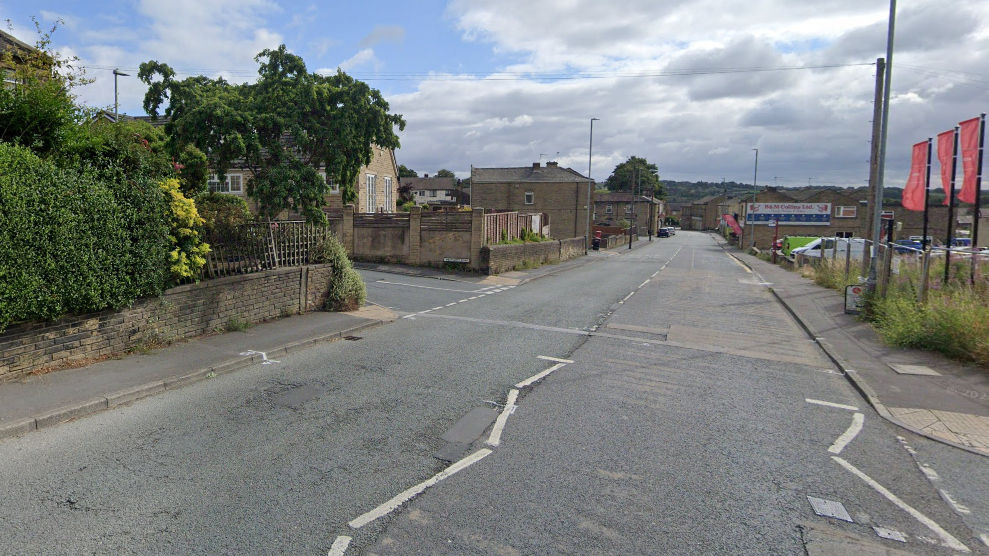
pixel 945 155
pixel 969 139
pixel 913 193
pixel 733 223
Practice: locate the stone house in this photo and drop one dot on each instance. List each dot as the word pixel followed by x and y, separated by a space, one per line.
pixel 561 193
pixel 702 214
pixel 13 51
pixel 433 191
pixel 612 207
pixel 376 185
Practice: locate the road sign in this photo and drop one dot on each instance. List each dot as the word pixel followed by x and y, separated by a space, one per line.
pixel 853 299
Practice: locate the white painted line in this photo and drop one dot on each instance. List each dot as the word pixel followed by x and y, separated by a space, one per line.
pixel 425 287
pixel 475 297
pixel 984 538
pixel 411 493
pixel 856 427
pixel 557 359
pixel 539 376
pixel 657 272
pixel 424 312
pixel 495 438
pixel 946 538
pixel 436 308
pixel 960 508
pixel 451 304
pixel 628 296
pixel 409 317
pixel 462 301
pixel 644 283
pixel 339 546
pixel 831 404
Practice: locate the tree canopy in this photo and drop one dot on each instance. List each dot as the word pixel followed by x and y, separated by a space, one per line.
pixel 444 173
pixel 406 172
pixel 633 173
pixel 282 128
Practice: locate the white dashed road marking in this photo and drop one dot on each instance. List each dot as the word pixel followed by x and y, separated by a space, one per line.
pixel 339 546
pixel 946 538
pixel 499 426
pixel 856 427
pixel 411 493
pixel 831 404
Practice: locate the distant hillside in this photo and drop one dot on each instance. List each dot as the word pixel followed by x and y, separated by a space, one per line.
pixel 682 192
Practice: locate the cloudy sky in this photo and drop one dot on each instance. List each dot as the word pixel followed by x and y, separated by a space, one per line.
pixel 691 85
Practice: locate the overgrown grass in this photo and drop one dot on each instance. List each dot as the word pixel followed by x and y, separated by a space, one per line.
pixel 954 320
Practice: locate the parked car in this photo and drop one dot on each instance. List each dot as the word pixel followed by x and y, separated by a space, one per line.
pixel 663 232
pixel 825 247
pixel 673 231
pixel 907 246
pixel 792 242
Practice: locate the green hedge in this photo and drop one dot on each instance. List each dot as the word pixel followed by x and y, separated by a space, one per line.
pixel 76 241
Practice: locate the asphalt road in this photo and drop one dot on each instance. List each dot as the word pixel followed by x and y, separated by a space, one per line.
pixel 680 425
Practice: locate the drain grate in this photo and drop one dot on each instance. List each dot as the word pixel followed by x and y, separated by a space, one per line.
pixel 352 338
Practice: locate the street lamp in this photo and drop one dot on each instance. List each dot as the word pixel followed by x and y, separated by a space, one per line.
pixel 116 104
pixel 590 150
pixel 755 190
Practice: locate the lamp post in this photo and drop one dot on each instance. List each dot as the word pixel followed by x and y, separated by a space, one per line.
pixel 755 190
pixel 116 104
pixel 590 150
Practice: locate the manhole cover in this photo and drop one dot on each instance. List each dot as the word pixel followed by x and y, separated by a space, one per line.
pixel 890 534
pixel 829 508
pixel 297 396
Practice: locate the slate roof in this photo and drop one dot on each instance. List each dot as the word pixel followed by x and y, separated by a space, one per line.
pixel 622 197
pixel 705 200
pixel 549 173
pixel 426 184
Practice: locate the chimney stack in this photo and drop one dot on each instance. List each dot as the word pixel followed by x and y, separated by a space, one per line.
pixel 535 165
pixel 551 164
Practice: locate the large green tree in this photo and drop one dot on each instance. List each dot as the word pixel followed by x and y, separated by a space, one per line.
pixel 636 173
pixel 406 172
pixel 281 128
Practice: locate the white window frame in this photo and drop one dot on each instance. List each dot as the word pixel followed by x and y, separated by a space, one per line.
pixel 432 192
pixel 530 198
pixel 389 198
pixel 233 184
pixel 609 209
pixel 372 192
pixel 845 212
pixel 334 187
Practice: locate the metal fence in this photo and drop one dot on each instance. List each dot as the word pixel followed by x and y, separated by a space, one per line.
pixel 260 246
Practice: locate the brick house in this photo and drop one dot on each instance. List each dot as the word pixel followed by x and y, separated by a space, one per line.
pixel 702 214
pixel 433 191
pixel 610 208
pixel 13 51
pixel 559 192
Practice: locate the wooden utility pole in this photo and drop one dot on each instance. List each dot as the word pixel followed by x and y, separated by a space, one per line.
pixel 877 119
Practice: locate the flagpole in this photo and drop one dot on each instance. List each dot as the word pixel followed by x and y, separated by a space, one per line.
pixel 951 208
pixel 927 195
pixel 978 197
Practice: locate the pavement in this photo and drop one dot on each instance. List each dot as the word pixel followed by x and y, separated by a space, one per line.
pixel 921 391
pixel 35 401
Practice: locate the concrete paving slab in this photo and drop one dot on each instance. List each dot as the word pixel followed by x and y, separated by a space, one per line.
pixel 913 369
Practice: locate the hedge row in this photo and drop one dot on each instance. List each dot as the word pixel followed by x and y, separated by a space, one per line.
pixel 76 241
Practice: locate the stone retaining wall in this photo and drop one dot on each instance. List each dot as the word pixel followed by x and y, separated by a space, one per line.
pixel 181 312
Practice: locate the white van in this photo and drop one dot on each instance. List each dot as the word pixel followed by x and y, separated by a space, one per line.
pixel 825 247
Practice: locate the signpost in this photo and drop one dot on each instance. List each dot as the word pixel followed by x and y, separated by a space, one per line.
pixel 853 299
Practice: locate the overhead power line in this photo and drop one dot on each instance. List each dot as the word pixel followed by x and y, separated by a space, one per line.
pixel 520 75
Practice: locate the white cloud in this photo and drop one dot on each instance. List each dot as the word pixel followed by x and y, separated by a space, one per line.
pixel 362 58
pixel 807 123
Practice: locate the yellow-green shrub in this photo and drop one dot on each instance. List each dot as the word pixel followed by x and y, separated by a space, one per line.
pixel 188 254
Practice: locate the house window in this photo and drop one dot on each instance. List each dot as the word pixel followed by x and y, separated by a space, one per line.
pixel 389 199
pixel 233 184
pixel 421 193
pixel 608 209
pixel 334 188
pixel 844 234
pixel 628 209
pixel 530 197
pixel 371 193
pixel 432 192
pixel 845 212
